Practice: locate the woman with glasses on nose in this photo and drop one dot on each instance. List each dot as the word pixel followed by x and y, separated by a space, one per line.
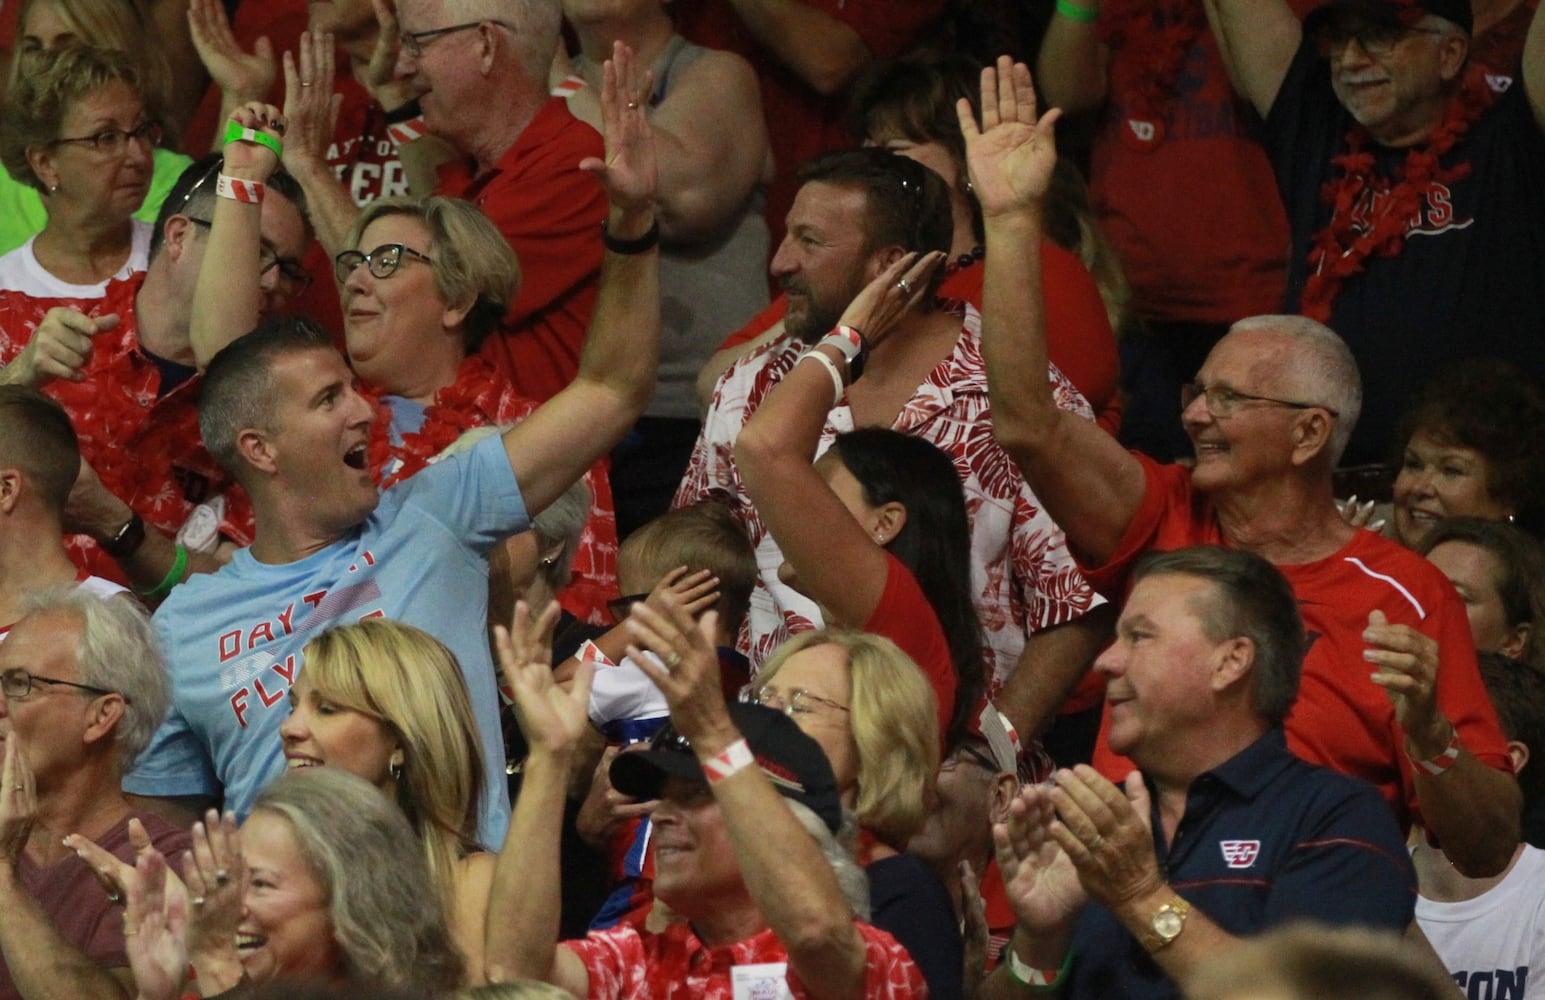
pixel 78 130
pixel 43 27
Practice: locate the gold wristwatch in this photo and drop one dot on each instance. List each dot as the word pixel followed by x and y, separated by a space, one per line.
pixel 1167 922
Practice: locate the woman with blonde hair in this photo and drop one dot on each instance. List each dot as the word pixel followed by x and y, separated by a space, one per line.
pixel 43 27
pixel 874 713
pixel 387 702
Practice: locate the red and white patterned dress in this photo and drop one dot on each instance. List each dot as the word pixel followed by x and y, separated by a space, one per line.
pixel 1025 579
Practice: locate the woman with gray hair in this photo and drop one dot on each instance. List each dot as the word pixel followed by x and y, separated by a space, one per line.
pixel 325 881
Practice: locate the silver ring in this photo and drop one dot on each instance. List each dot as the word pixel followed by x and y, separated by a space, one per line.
pixel 632 105
pixel 305 83
pixel 1094 845
pixel 673 661
pixel 198 900
pixel 905 286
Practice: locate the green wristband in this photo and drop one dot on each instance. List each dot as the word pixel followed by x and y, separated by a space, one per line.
pixel 237 132
pixel 1078 12
pixel 1035 979
pixel 173 577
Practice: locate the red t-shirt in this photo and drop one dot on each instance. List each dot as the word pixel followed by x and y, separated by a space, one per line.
pixel 1079 340
pixel 1342 720
pixel 551 213
pixel 905 617
pixel 1189 202
pixel 801 123
pixel 145 446
pixel 75 903
pixel 638 965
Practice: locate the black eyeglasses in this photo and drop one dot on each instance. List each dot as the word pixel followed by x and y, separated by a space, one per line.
pixel 415 42
pixel 17 683
pixel 1222 401
pixel 383 261
pixel 295 277
pixel 112 141
pixel 1377 40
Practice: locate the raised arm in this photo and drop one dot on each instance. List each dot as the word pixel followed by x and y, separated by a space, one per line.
pixel 229 291
pixel 310 107
pixel 1073 67
pixel 1534 67
pixel 706 174
pixel 523 904
pixel 1088 483
pixel 1257 40
pixel 554 446
pixel 840 565
pixel 818 48
pixel 783 868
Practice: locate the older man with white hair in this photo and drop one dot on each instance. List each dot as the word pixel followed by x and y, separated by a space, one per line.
pixel 82 688
pixel 1391 691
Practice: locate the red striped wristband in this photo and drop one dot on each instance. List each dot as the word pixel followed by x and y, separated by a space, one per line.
pixel 236 189
pixel 731 760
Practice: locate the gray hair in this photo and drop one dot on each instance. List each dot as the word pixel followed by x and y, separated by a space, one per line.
pixel 535 23
pixel 838 852
pixel 382 905
pixel 1323 370
pixel 118 651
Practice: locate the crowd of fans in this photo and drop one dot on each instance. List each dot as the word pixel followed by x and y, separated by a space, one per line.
pixel 760 498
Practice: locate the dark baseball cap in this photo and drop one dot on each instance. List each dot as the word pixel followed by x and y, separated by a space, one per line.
pixel 792 761
pixel 1395 12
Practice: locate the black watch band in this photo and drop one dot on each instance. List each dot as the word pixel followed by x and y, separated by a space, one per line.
pixel 126 540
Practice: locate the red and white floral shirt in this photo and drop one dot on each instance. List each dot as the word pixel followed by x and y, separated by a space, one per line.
pixel 144 446
pixel 1025 578
pixel 626 962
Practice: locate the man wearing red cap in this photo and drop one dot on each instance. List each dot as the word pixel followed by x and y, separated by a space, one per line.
pixel 1411 181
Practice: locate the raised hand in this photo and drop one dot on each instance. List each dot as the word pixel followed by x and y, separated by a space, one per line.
pixel 310 106
pixel 215 872
pixel 875 311
pixel 250 160
pixel 1011 156
pixel 381 78
pixel 241 76
pixel 552 719
pixel 1042 884
pixel 18 801
pixel 628 173
pixel 1407 664
pixel 59 348
pixel 604 807
pixel 1105 833
pixel 687 670
pixel 155 928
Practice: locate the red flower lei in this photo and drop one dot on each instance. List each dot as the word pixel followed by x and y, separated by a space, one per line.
pixel 1154 37
pixel 472 400
pixel 1340 250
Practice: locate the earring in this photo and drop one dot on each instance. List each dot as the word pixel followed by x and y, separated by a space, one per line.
pixel 53 189
pixel 549 562
pixel 395 767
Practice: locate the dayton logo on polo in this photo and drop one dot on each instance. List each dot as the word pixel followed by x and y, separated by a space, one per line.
pixel 1240 853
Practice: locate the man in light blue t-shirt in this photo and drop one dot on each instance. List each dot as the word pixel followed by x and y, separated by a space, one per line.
pixel 280 408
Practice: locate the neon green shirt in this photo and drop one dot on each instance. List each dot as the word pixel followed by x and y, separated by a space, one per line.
pixel 21 207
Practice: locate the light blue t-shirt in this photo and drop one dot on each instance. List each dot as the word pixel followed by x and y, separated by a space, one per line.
pixel 234 638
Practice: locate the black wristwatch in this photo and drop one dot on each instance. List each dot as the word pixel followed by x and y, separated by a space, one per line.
pixel 126 540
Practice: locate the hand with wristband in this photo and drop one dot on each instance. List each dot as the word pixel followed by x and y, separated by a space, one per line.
pixel 899 289
pixel 254 142
pixel 310 105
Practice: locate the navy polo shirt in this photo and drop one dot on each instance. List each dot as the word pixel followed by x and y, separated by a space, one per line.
pixel 1266 839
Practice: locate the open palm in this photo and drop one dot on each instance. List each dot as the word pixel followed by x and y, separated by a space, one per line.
pixel 1012 154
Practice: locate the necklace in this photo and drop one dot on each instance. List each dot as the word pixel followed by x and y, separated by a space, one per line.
pixel 1370 215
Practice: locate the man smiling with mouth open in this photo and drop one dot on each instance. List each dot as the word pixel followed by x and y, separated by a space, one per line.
pixel 281 410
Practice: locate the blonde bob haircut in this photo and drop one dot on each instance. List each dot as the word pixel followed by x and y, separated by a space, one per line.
pixel 472 261
pixel 110 24
pixel 35 106
pixel 893 718
pixel 408 681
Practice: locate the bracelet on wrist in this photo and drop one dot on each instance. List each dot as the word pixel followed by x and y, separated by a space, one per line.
pixel 838 387
pixel 237 132
pixel 637 245
pixel 850 343
pixel 173 577
pixel 1037 979
pixel 124 542
pixel 730 761
pixel 1078 12
pixel 236 189
pixel 1443 761
pixel 403 132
